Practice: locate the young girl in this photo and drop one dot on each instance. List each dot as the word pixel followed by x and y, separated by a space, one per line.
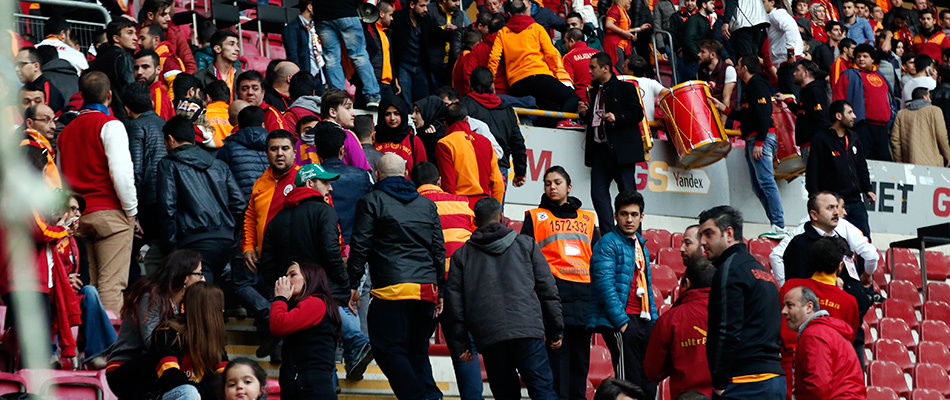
pixel 149 302
pixel 244 379
pixel 307 317
pixel 190 348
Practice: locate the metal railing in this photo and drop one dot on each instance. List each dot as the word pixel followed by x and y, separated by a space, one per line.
pixel 669 52
pixel 81 31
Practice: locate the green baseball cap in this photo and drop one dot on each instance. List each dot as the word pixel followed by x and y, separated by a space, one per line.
pixel 313 171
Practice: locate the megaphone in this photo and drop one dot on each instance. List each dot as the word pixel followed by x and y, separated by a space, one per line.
pixel 368 12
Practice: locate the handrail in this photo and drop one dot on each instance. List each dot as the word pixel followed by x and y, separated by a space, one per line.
pixel 78 4
pixel 658 124
pixel 672 54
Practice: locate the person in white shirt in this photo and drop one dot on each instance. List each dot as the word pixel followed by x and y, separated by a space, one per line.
pixel 57 35
pixel 857 242
pixel 923 68
pixel 650 89
pixel 785 45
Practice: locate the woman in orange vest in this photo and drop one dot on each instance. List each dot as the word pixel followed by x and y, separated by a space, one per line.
pixel 566 235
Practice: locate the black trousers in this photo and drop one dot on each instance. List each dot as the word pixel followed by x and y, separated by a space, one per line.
pixel 571 363
pixel 550 93
pixel 628 349
pixel 786 79
pixel 399 332
pixel 748 41
pixel 603 171
pixel 215 255
pixel 875 141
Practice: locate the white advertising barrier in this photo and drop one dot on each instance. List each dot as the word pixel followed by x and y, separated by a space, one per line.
pixel 909 196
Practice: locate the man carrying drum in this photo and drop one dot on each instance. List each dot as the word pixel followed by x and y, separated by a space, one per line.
pixel 755 115
pixel 613 143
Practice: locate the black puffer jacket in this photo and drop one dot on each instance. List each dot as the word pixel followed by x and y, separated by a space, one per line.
pixel 62 75
pixel 147 146
pixel 198 197
pixel 305 230
pixel 500 287
pixel 245 153
pixel 399 233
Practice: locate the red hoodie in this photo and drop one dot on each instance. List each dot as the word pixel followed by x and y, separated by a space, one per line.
pixel 826 366
pixel 577 65
pixel 677 347
pixel 481 52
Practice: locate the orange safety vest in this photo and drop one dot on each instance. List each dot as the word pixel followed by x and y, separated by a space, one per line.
pixel 565 243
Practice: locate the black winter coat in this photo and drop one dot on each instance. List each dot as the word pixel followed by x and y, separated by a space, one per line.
pixel 245 153
pixel 399 32
pixel 147 146
pixel 811 111
pixel 117 64
pixel 305 230
pixel 623 135
pixel 62 75
pixel 503 124
pixel 837 165
pixel 398 232
pixel 500 287
pixel 198 197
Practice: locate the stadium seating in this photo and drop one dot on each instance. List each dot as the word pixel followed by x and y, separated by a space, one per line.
pixel 676 240
pixel 904 291
pixel 11 383
pixel 672 258
pixel 934 331
pixel 938 291
pixel 663 308
pixel 907 272
pixel 664 279
pixel 888 375
pixel 661 236
pixel 938 266
pixel 653 247
pixel 937 310
pixel 895 329
pixel 934 353
pixel 880 277
pixel 881 262
pixel 871 317
pixel 762 246
pixel 925 394
pixel 663 390
pixel 273 389
pixel 893 351
pixel 882 393
pixel 764 260
pixel 900 310
pixel 932 376
pixel 896 255
pixel 600 366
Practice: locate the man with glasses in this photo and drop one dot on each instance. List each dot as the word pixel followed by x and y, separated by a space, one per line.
pixel 29 72
pixel 38 127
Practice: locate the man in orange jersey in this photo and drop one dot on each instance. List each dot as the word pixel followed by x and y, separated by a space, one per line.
pixel 931 40
pixel 151 37
pixel 532 64
pixel 467 161
pixel 844 62
pixel 149 70
pixel 217 111
pixel 398 233
pixel 457 225
pixel 826 260
pixel 249 87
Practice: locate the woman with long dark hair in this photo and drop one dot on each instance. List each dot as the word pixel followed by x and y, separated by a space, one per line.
pixel 306 316
pixel 148 302
pixel 189 348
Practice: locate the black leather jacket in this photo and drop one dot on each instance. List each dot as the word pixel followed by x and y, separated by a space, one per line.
pixel 147 146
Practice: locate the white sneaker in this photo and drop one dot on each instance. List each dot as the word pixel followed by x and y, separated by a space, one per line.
pixel 775 233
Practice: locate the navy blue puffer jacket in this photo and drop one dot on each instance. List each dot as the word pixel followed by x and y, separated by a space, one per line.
pixel 244 152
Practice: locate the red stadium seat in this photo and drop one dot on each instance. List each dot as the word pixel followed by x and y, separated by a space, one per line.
pixel 764 260
pixel 937 310
pixel 676 240
pixel 762 246
pixel 664 279
pixel 925 394
pixel 881 262
pixel 882 393
pixel 600 366
pixel 934 331
pixel 880 277
pixel 11 383
pixel 887 375
pixel 73 387
pixel 273 389
pixel 932 376
pixel 653 247
pixel 662 236
pixel 868 337
pixel 871 317
pixel 515 224
pixel 938 291
pixel 895 329
pixel 664 308
pixel 649 234
pixel 900 310
pixel 934 353
pixel 904 291
pixel 893 351
pixel 897 255
pixel 663 390
pixel 672 258
pixel 907 272
pixel 938 266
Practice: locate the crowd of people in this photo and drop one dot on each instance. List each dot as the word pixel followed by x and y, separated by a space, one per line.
pixel 191 183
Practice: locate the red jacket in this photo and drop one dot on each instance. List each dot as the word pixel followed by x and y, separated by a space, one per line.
pixel 179 40
pixel 482 51
pixel 161 100
pixel 294 114
pixel 677 347
pixel 462 72
pixel 577 65
pixel 826 366
pixel 273 119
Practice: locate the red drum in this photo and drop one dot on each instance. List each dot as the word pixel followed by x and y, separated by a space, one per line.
pixel 645 123
pixel 788 161
pixel 694 124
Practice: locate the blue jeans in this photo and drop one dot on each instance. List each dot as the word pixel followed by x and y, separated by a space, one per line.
pixel 96 326
pixel 349 31
pixel 505 360
pixel 469 375
pixel 183 392
pixel 504 177
pixel 353 337
pixel 413 83
pixel 763 179
pixel 769 389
